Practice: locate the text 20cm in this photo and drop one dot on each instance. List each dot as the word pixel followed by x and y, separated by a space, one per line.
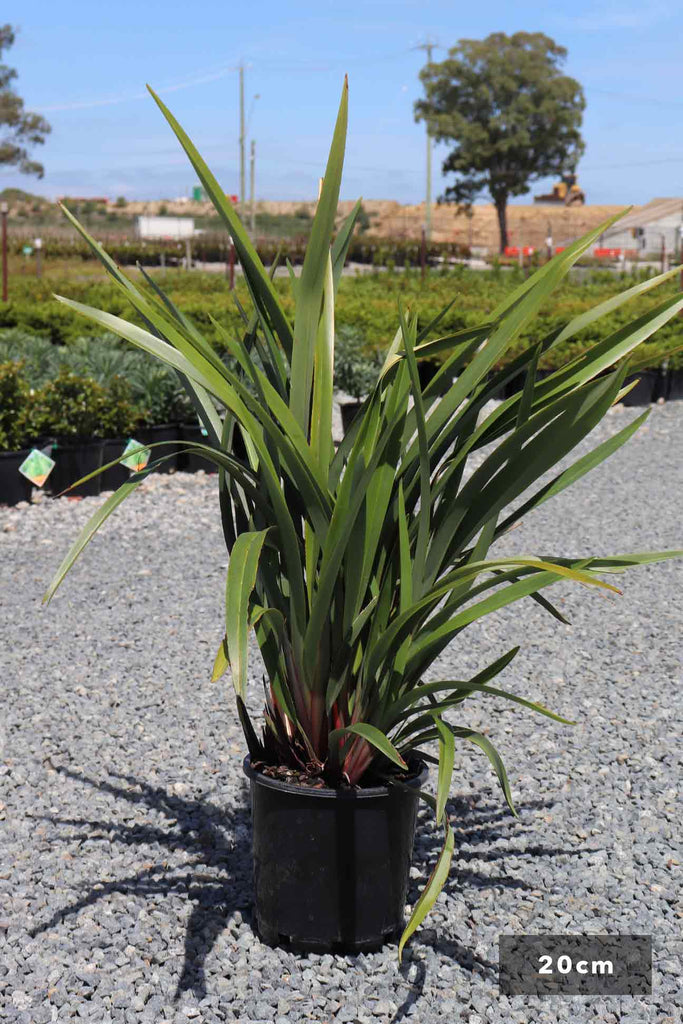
pixel 565 965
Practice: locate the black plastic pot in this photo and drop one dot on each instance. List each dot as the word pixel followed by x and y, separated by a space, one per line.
pixel 162 432
pixel 349 411
pixel 427 369
pixel 112 478
pixel 14 487
pixel 74 460
pixel 674 389
pixel 331 866
pixel 516 384
pixel 190 462
pixel 644 391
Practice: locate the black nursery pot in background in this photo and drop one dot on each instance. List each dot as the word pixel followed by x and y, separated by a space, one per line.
pixel 645 390
pixel 516 384
pixel 162 432
pixel 331 866
pixel 191 462
pixel 74 460
pixel 13 486
pixel 113 477
pixel 427 369
pixel 674 385
pixel 349 411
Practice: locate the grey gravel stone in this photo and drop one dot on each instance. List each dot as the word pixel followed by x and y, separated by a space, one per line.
pixel 125 871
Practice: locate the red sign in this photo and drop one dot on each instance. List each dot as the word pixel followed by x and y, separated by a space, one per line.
pixel 607 253
pixel 513 250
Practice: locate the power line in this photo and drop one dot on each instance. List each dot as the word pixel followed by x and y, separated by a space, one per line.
pixel 634 98
pixel 177 159
pixel 203 78
pixel 637 163
pixel 332 63
pixel 211 75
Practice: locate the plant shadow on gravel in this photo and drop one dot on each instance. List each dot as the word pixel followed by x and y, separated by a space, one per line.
pixel 217 839
pixel 221 839
pixel 481 825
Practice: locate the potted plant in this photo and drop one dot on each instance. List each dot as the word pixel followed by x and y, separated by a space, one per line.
pixel 355 373
pixel 74 410
pixel 38 355
pixel 356 568
pixel 160 396
pixel 120 420
pixel 17 431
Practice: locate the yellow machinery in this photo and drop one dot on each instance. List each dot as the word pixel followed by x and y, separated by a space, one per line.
pixel 565 192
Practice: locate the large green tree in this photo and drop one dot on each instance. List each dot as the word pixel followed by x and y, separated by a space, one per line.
pixel 20 130
pixel 512 114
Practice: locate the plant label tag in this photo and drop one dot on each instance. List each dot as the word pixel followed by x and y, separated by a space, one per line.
pixel 37 467
pixel 138 457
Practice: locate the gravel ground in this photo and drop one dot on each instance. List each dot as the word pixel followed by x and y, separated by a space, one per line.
pixel 125 872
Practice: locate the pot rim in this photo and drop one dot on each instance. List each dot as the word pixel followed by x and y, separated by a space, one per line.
pixel 72 444
pixel 15 453
pixel 371 792
pixel 158 427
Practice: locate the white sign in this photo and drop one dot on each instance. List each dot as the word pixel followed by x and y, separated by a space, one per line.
pixel 176 228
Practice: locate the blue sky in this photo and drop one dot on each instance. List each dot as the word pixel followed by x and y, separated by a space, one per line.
pixel 84 65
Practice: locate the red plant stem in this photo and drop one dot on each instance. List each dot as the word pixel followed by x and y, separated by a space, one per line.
pixel 317 711
pixel 337 719
pixel 351 766
pixel 358 759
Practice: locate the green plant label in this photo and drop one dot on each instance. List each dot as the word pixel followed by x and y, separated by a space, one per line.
pixel 139 456
pixel 37 467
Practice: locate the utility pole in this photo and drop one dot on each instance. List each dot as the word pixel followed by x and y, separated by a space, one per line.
pixel 252 207
pixel 242 159
pixel 428 47
pixel 4 210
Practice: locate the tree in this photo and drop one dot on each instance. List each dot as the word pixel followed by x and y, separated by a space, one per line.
pixel 514 117
pixel 19 129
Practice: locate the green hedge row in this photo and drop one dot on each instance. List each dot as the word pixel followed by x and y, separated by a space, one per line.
pixel 367 307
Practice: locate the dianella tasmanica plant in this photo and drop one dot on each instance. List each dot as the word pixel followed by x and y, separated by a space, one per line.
pixel 355 567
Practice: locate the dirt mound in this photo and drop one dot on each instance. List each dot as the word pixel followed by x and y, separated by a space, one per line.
pixel 528 224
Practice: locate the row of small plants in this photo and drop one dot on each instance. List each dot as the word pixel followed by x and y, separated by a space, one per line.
pixel 92 388
pixel 101 387
pixel 366 305
pixel 213 248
